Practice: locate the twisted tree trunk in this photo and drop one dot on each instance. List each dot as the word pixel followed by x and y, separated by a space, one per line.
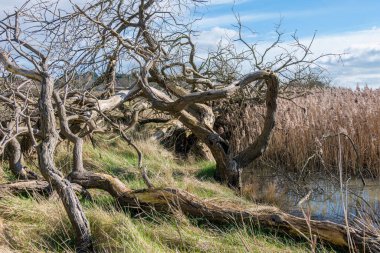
pixel 267 217
pixel 165 199
pixel 46 149
pixel 229 168
pixel 47 146
pixel 15 161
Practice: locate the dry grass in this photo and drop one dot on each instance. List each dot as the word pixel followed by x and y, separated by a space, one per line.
pixel 30 227
pixel 268 192
pixel 41 225
pixel 306 131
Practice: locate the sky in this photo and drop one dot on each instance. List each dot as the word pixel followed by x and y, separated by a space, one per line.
pixel 348 27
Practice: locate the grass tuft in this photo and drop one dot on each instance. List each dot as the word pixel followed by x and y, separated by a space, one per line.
pixel 41 225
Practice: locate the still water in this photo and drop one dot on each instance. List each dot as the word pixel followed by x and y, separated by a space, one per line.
pixel 326 200
pixel 331 203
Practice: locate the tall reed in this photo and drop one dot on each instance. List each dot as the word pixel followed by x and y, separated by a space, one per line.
pixel 305 136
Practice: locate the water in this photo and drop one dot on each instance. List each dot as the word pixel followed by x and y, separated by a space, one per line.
pixel 331 202
pixel 326 201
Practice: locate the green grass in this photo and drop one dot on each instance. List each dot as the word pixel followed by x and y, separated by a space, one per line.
pixel 41 225
pixel 33 228
pixel 207 171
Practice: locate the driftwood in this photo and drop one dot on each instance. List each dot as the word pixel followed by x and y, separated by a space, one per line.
pixel 169 199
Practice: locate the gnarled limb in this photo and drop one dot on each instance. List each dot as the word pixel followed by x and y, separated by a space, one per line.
pixel 258 147
pixel 228 170
pixel 47 167
pixel 25 187
pixel 15 161
pixel 66 131
pixel 47 125
pixel 40 187
pixel 13 68
pixel 169 199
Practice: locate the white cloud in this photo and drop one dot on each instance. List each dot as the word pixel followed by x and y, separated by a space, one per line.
pixel 361 57
pixel 349 42
pixel 230 19
pixel 210 38
pixel 360 53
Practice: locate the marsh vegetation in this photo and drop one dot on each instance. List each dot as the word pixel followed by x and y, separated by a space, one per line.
pixel 172 158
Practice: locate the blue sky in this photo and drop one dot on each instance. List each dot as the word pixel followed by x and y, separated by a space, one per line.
pixel 326 16
pixel 343 26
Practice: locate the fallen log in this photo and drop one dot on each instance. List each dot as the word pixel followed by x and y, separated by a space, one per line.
pixel 266 217
pixel 39 187
pixel 25 187
pixel 167 199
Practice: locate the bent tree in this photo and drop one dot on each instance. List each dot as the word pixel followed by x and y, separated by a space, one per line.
pixel 50 94
pixel 47 132
pixel 156 41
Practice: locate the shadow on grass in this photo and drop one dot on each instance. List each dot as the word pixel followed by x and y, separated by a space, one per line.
pixel 207 172
pixel 60 239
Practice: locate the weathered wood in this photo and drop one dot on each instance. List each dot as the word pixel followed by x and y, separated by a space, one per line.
pixel 15 161
pixel 167 199
pixel 267 217
pixel 37 187
pixel 25 187
pixel 66 131
pixel 108 183
pixel 13 68
pixel 228 168
pixel 47 167
pixel 257 148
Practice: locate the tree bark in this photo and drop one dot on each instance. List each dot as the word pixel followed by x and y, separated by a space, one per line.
pixel 228 168
pixel 15 161
pixel 28 187
pixel 36 187
pixel 46 149
pixel 267 217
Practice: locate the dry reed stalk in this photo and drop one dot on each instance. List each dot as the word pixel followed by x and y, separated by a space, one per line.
pixel 306 126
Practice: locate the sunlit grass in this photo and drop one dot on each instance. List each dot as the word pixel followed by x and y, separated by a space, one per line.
pixel 41 225
pixel 29 226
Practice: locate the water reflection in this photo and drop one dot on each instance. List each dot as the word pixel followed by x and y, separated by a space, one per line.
pixel 326 199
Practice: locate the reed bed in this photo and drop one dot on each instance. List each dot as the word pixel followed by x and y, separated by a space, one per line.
pixel 307 130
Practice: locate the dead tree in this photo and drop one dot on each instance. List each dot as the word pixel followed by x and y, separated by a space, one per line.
pixel 158 46
pixel 161 54
pixel 18 41
pixel 15 158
